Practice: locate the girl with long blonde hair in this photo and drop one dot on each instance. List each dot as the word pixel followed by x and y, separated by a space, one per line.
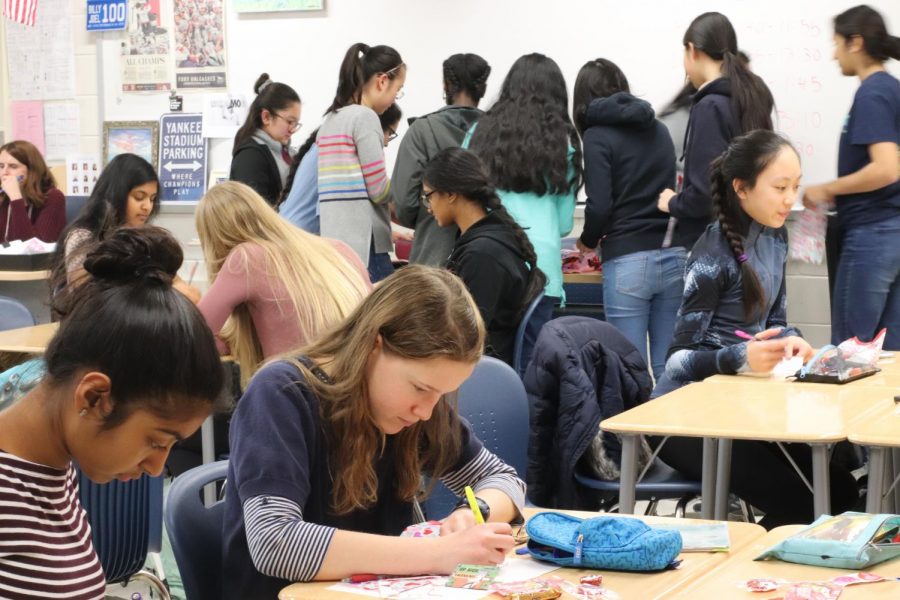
pixel 273 286
pixel 328 447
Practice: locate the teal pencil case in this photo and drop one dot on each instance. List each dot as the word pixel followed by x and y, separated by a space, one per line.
pixel 850 540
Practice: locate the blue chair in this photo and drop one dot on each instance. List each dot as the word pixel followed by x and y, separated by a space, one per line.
pixel 493 400
pixel 14 314
pixel 195 531
pixel 74 204
pixel 126 521
pixel 518 363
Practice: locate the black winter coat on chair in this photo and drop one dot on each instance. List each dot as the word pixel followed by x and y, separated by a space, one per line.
pixel 582 371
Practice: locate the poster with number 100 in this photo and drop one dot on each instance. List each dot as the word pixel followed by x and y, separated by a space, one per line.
pixel 106 15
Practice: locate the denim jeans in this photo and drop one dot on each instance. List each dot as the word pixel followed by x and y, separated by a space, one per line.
pixel 380 265
pixel 867 290
pixel 641 295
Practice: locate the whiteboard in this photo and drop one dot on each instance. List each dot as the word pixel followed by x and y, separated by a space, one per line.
pixel 790 43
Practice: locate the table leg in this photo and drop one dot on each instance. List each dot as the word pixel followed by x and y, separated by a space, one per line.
pixel 723 479
pixel 821 486
pixel 895 452
pixel 208 449
pixel 708 483
pixel 628 476
pixel 876 479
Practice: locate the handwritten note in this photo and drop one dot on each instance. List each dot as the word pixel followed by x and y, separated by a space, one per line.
pixel 28 122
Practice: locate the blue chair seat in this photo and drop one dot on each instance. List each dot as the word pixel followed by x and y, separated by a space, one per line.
pixel 14 314
pixel 661 481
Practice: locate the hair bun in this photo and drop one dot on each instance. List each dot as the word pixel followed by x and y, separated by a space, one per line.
pixel 144 254
pixel 261 82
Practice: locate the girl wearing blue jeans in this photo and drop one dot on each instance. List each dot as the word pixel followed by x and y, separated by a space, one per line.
pixel 867 190
pixel 735 281
pixel 629 159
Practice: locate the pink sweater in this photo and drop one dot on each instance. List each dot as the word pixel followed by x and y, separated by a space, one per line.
pixel 249 282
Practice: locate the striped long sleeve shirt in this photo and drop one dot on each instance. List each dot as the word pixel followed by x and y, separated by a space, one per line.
pixel 352 181
pixel 279 522
pixel 45 538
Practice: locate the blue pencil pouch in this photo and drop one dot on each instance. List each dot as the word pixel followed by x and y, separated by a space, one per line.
pixel 850 540
pixel 617 543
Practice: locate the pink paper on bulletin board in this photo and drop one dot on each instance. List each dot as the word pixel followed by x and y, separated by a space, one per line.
pixel 28 122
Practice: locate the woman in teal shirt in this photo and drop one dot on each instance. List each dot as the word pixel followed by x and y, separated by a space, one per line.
pixel 530 146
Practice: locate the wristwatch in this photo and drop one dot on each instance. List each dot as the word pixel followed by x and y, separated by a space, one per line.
pixel 483 506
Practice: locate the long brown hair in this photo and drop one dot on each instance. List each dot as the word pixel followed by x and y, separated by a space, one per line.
pixel 39 179
pixel 420 313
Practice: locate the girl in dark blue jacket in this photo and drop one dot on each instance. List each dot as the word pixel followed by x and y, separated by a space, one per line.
pixel 735 282
pixel 628 160
pixel 730 101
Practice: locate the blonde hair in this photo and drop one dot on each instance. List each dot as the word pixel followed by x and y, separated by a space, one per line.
pixel 420 313
pixel 316 276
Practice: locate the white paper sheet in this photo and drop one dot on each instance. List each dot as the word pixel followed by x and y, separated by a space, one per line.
pixel 82 172
pixel 223 114
pixel 62 129
pixel 41 59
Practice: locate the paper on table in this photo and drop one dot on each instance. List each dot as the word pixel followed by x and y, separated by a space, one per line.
pixel 32 246
pixel 28 122
pixel 700 537
pixel 514 569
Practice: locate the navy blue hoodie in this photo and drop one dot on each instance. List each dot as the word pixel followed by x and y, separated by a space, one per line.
pixel 628 160
pixel 710 129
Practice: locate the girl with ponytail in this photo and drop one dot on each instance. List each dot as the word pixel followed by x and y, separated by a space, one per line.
pixel 867 191
pixel 492 256
pixel 354 190
pixel 731 101
pixel 262 156
pixel 735 283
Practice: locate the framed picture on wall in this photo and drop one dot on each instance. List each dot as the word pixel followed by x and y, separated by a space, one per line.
pixel 131 137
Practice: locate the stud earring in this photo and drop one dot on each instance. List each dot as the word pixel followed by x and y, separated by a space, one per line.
pixel 82 412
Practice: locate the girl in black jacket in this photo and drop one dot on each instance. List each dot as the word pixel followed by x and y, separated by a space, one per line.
pixel 628 160
pixel 261 156
pixel 492 256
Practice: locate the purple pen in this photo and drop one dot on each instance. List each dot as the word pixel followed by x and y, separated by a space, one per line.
pixel 744 335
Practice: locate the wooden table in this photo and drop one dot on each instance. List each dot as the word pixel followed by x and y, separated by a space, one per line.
pixel 879 429
pixel 30 340
pixel 889 377
pixel 818 415
pixel 594 277
pixel 627 585
pixel 24 275
pixel 722 582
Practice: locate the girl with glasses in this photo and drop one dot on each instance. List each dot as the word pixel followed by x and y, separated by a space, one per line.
pixel 261 156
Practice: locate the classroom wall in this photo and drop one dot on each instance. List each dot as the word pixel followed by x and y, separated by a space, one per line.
pixel 790 44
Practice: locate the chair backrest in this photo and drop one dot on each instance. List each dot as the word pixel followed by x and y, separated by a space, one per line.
pixel 14 314
pixel 74 204
pixel 493 400
pixel 195 531
pixel 520 334
pixel 126 521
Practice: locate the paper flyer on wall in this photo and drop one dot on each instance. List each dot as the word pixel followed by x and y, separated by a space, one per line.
pixel 223 114
pixel 62 129
pixel 146 51
pixel 41 59
pixel 82 172
pixel 199 44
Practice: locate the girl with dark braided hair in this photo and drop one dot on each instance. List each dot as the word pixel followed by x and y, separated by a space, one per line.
pixel 465 81
pixel 735 282
pixel 492 256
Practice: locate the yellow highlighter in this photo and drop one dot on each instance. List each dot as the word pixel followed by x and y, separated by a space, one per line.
pixel 473 504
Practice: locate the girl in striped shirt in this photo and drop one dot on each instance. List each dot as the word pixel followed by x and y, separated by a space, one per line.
pixel 132 369
pixel 354 190
pixel 328 446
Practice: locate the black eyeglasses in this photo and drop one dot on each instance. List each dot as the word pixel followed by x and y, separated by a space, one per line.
pixel 392 135
pixel 426 198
